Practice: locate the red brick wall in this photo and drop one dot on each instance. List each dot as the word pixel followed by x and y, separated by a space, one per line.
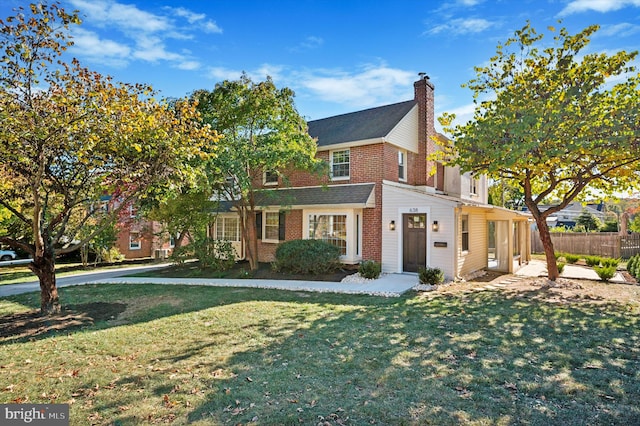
pixel 424 90
pixel 149 240
pixel 372 164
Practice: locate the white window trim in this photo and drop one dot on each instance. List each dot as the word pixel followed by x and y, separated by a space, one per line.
pixel 462 232
pixel 354 219
pixel 220 225
pixel 264 226
pixel 473 185
pixel 402 154
pixel 131 247
pixel 334 178
pixel 267 183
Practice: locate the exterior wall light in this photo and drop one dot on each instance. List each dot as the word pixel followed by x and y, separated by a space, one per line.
pixel 392 225
pixel 434 226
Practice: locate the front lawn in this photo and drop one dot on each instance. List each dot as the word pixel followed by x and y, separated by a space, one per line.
pixel 149 354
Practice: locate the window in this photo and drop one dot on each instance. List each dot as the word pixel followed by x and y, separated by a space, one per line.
pixel 172 241
pixel 340 164
pixel 465 232
pixel 228 228
pixel 402 167
pixel 133 212
pixel 270 178
pixel 271 226
pixel 329 228
pixel 473 185
pixel 134 241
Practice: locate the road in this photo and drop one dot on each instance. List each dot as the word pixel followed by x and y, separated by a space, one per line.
pixel 78 279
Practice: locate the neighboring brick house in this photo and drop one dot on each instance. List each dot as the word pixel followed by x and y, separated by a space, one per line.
pixel 142 239
pixel 385 201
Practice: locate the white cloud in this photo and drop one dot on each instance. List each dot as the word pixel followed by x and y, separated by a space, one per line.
pixel 619 30
pixel 189 65
pixel 461 26
pixel 152 49
pixel 141 35
pixel 602 6
pixel 222 73
pixel 369 87
pixel 107 13
pixel 90 45
pixel 196 18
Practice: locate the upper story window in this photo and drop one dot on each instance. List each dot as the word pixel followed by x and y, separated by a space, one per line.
pixel 473 185
pixel 402 165
pixel 340 164
pixel 270 178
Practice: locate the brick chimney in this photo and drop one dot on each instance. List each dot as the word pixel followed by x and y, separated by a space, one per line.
pixel 423 94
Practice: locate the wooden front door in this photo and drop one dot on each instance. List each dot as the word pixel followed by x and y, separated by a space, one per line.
pixel 414 242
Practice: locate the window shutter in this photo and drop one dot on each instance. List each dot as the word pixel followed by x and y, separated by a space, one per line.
pixel 259 225
pixel 281 228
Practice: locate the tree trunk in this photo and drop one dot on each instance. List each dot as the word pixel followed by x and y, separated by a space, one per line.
pixel 251 240
pixel 547 244
pixel 45 268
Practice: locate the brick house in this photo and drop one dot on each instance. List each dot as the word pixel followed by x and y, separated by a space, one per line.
pixel 143 239
pixel 382 202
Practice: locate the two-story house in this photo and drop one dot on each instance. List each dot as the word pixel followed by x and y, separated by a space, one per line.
pixel 385 201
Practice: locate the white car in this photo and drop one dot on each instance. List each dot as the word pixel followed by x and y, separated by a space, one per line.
pixel 8 255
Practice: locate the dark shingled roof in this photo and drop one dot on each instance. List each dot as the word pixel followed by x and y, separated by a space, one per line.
pixel 335 195
pixel 360 125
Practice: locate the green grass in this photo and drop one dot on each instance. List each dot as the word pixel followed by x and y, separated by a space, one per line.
pixel 208 356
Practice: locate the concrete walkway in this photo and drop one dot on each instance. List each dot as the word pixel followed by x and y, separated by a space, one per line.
pixel 538 268
pixel 389 285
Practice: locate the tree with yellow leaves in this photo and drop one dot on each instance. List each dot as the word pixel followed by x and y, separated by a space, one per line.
pixel 554 121
pixel 71 138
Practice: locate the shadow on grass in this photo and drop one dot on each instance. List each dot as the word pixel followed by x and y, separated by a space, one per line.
pixel 275 357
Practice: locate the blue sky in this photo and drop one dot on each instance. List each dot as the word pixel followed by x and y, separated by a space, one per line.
pixel 338 56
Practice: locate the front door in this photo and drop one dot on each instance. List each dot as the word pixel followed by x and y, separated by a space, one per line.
pixel 414 242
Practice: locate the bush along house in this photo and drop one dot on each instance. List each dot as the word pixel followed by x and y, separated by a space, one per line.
pixel 382 200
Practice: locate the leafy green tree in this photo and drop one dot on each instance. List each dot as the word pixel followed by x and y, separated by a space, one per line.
pixel 262 132
pixel 70 136
pixel 185 215
pixel 504 194
pixel 588 221
pixel 634 225
pixel 554 120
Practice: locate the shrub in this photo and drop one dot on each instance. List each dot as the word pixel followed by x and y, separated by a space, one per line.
pixel 430 275
pixel 307 257
pixel 560 267
pixel 605 272
pixel 634 269
pixel 370 269
pixel 636 266
pixel 218 255
pixel 592 260
pixel 571 258
pixel 558 254
pixel 610 262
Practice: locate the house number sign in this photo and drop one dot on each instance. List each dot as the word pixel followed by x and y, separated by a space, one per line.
pixel 413 210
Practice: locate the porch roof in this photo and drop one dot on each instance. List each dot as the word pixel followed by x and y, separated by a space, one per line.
pixel 340 196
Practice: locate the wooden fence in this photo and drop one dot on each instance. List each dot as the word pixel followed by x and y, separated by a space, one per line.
pixel 608 244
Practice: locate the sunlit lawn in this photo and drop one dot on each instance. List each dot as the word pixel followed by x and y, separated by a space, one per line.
pixel 194 355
